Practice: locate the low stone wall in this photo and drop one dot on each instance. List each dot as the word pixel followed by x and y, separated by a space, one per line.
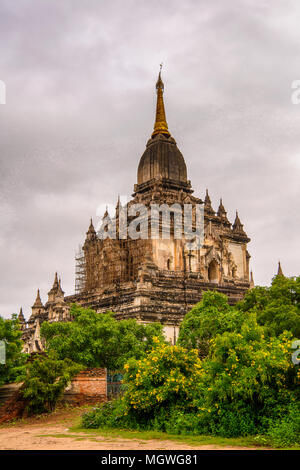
pixel 89 386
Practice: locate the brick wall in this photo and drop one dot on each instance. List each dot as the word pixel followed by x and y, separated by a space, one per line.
pixel 89 386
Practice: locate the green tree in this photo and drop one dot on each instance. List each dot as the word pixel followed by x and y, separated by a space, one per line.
pixel 212 316
pixel 98 339
pixel 14 368
pixel 277 307
pixel 46 379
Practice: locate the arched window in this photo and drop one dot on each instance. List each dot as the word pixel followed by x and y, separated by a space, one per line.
pixel 213 271
pixel 168 264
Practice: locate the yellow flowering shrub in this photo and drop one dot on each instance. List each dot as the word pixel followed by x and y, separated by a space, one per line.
pixel 167 377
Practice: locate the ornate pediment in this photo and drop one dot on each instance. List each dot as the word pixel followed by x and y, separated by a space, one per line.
pixel 212 254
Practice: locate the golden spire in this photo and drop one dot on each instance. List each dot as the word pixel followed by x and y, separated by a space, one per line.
pixel 160 126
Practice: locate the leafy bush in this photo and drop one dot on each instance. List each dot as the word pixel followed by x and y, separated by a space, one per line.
pixel 110 414
pixel 212 316
pixel 277 307
pixel 98 339
pixel 285 431
pixel 182 422
pixel 14 368
pixel 46 379
pixel 246 378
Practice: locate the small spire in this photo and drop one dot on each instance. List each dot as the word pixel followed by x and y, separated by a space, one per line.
pixel 91 227
pixel 207 204
pixel 119 208
pixel 21 317
pixel 119 205
pixel 160 126
pixel 221 209
pixel 38 302
pixel 59 289
pixel 106 214
pixel 237 226
pixel 54 288
pixel 279 272
pixel 91 233
pixel 251 279
pixel 55 283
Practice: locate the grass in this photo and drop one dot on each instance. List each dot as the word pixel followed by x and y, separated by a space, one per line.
pixel 92 434
pixel 196 441
pixel 192 440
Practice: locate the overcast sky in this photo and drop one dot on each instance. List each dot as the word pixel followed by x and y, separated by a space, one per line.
pixel 80 79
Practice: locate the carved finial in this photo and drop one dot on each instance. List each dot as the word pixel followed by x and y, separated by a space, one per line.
pixel 160 125
pixel 251 279
pixel 59 290
pixel 38 302
pixel 221 209
pixel 207 204
pixel 237 223
pixel 91 233
pixel 279 272
pixel 55 283
pixel 119 207
pixel 21 316
pixel 91 227
pixel 238 226
pixel 106 214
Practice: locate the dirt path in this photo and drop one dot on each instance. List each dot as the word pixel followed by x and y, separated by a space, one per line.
pixel 53 433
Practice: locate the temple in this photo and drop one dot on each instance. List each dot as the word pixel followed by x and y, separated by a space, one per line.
pixel 152 278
